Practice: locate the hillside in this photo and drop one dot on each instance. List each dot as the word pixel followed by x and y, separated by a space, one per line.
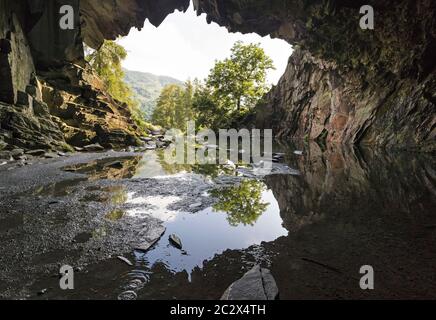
pixel 147 88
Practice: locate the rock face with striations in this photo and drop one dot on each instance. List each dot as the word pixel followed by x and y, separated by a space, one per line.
pixel 49 97
pixel 258 284
pixel 343 85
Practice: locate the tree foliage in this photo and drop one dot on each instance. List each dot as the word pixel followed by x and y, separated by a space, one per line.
pixel 107 63
pixel 242 203
pixel 232 89
pixel 240 81
pixel 174 107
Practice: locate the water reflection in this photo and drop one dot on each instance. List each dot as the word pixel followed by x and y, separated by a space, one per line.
pixel 242 203
pixel 153 165
pixel 345 209
pixel 348 208
pixel 109 168
pixel 208 233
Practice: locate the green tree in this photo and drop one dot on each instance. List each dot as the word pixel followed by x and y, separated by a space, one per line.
pixel 234 86
pixel 107 63
pixel 174 107
pixel 242 203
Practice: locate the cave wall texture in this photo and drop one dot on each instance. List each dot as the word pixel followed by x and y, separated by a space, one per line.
pixel 342 85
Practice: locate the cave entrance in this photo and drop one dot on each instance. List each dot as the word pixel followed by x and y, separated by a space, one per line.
pixel 185 47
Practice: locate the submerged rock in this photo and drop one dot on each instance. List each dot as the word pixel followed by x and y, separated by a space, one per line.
pixel 256 284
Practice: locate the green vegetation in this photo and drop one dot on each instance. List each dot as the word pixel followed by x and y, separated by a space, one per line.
pixel 231 91
pixel 242 203
pixel 174 106
pixel 147 87
pixel 106 62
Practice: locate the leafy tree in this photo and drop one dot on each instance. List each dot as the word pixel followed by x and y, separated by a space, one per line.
pixel 107 62
pixel 233 87
pixel 174 107
pixel 242 203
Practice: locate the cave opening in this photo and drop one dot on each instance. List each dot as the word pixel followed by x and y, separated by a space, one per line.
pixel 185 47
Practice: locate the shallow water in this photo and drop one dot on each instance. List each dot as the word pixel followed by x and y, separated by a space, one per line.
pixel 207 233
pixel 314 227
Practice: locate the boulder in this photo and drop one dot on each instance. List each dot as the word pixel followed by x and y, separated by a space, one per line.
pixel 257 284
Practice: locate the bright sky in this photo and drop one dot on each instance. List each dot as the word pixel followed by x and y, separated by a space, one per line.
pixel 186 47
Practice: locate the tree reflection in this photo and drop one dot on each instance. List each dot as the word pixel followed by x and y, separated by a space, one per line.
pixel 242 203
pixel 208 170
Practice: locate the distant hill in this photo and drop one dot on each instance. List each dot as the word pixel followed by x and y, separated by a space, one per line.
pixel 147 88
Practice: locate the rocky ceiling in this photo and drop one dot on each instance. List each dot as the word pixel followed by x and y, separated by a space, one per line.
pixel 343 84
pixel 327 28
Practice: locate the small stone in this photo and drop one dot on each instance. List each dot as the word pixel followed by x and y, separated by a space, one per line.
pixel 36 153
pixel 150 147
pixel 42 292
pixel 93 147
pixel 50 155
pixel 195 205
pixel 125 260
pixel 16 153
pixel 176 242
pixel 146 139
pixel 78 149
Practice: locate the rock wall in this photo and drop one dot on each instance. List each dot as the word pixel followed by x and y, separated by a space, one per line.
pixel 49 97
pixel 318 101
pixel 343 84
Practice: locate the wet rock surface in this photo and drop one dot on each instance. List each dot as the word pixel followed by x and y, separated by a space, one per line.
pixel 342 211
pixel 257 284
pixel 58 216
pixel 343 84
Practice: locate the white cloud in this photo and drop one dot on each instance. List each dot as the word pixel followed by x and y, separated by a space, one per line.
pixel 185 46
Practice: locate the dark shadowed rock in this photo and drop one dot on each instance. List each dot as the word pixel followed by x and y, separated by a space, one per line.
pixel 256 284
pixel 176 242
